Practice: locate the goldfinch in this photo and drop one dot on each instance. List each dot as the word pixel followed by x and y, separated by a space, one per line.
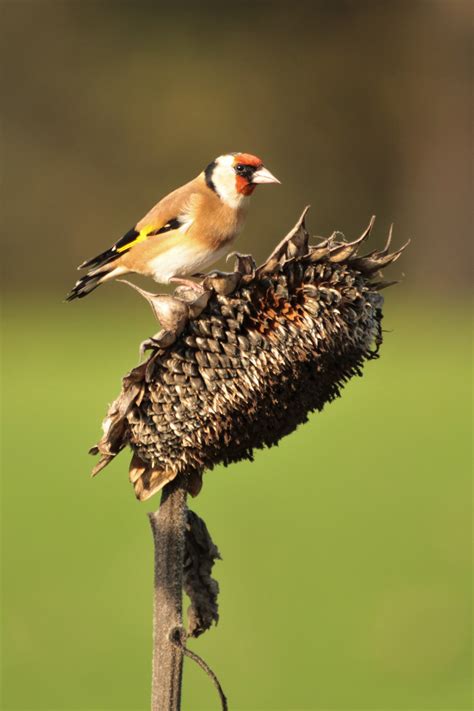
pixel 186 231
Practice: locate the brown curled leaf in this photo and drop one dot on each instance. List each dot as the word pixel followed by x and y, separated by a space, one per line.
pixel 201 588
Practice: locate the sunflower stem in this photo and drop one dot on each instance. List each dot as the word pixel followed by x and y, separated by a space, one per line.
pixel 168 528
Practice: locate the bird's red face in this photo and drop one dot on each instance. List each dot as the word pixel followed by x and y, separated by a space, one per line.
pixel 249 172
pixel 245 166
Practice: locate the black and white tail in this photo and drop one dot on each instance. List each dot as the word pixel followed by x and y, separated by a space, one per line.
pixel 103 270
pixel 84 286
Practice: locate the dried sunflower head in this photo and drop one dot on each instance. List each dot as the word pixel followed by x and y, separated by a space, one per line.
pixel 243 364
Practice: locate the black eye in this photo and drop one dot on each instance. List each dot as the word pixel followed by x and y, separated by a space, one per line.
pixel 245 171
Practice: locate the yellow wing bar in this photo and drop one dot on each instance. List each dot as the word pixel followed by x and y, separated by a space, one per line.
pixel 134 237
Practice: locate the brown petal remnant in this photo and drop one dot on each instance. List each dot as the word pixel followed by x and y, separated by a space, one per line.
pixel 242 364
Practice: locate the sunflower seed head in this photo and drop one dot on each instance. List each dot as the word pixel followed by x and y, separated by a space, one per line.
pixel 244 363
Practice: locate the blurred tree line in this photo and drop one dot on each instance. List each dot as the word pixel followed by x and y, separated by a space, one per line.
pixel 358 107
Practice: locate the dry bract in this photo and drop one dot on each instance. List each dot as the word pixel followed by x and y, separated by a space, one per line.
pixel 242 364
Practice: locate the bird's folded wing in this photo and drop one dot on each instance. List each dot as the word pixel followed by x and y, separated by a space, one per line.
pixel 129 240
pixel 171 213
pixel 135 236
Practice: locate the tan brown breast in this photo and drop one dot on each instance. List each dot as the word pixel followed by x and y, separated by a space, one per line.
pixel 214 222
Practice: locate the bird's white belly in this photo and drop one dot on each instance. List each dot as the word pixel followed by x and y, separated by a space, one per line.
pixel 184 260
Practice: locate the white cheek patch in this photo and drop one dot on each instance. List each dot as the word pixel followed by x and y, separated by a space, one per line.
pixel 224 180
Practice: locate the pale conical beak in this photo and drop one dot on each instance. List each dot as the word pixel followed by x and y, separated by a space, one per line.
pixel 262 175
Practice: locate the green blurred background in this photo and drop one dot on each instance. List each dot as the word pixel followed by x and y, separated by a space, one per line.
pixel 345 581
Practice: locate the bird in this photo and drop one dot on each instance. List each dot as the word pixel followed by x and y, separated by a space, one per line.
pixel 186 231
